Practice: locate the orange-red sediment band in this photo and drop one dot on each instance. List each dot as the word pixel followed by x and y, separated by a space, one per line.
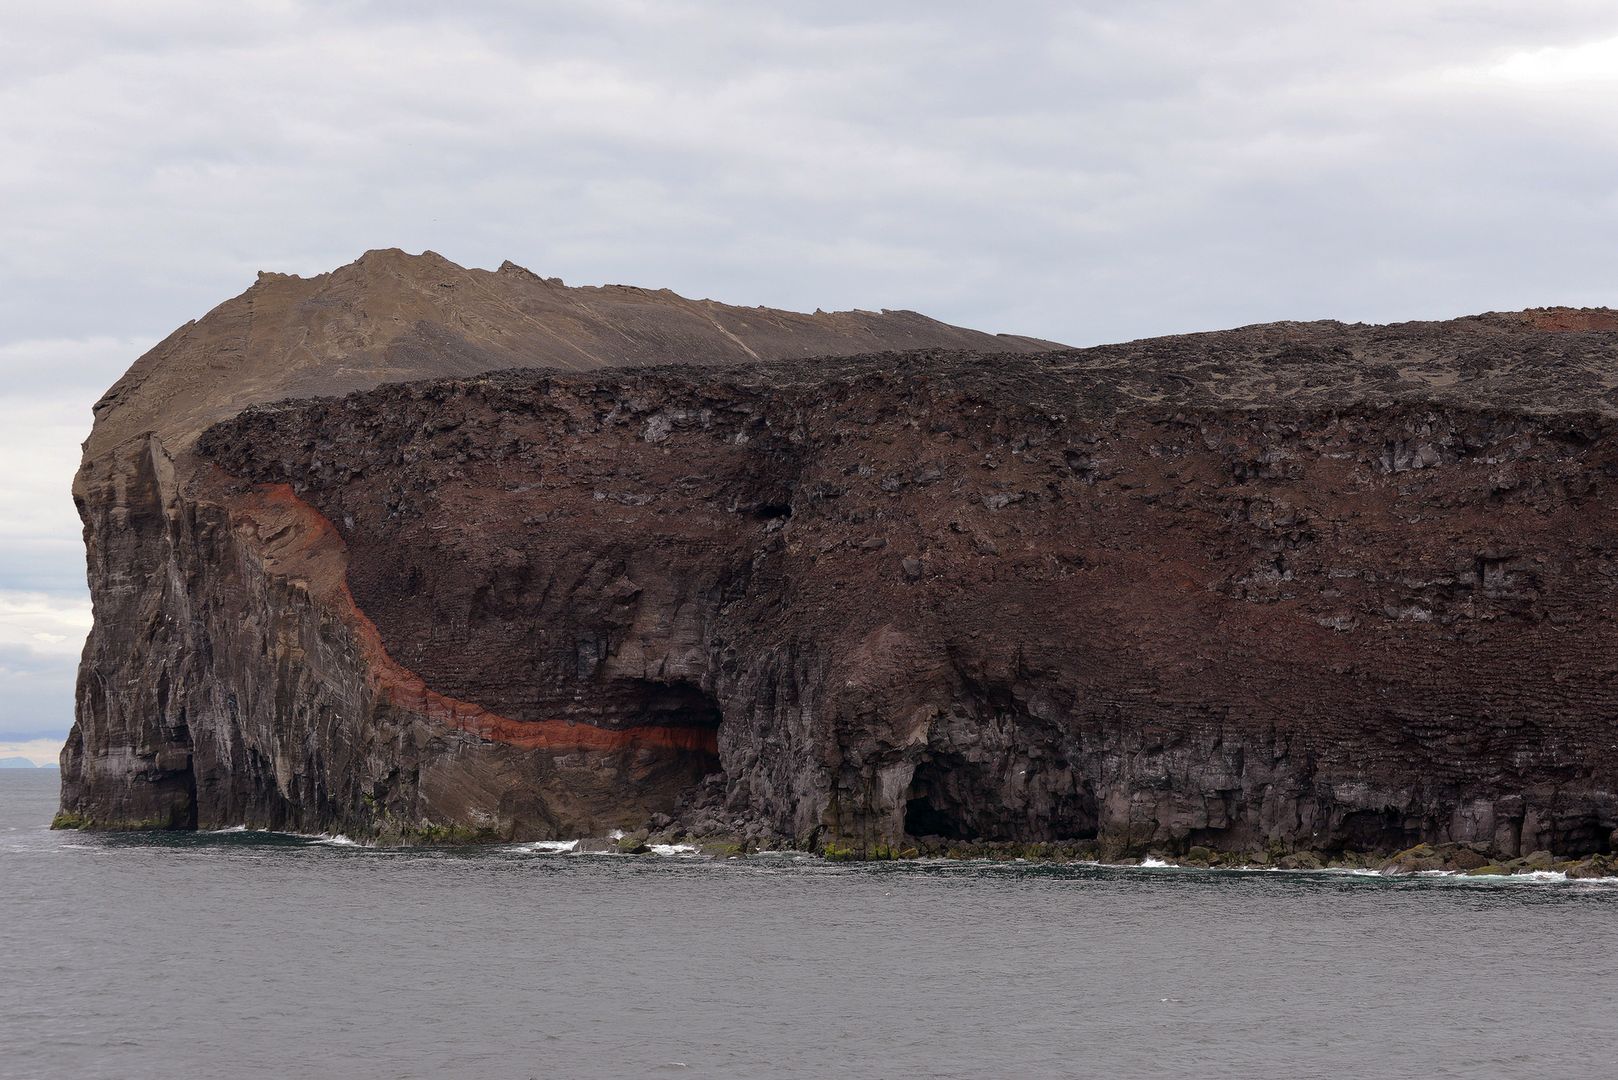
pixel 403 688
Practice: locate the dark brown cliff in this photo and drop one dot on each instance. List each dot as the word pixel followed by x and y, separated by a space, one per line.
pixel 219 684
pixel 1302 586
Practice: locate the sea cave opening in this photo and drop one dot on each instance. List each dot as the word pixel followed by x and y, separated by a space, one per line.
pixel 1376 830
pixel 682 719
pixel 678 704
pixel 930 810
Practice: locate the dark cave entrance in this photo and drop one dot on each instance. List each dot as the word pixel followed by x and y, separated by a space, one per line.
pixel 931 809
pixel 1376 830
pixel 922 818
pixel 687 719
pixel 678 726
pixel 678 704
pixel 954 799
pixel 1586 835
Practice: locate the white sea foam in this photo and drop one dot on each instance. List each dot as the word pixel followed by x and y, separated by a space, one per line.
pixel 1531 877
pixel 1490 879
pixel 549 847
pixel 329 839
pixel 674 849
pixel 616 834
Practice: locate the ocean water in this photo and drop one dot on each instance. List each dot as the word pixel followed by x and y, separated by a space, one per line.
pixel 253 955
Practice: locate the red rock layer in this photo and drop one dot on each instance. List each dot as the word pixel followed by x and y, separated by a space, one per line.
pixel 273 509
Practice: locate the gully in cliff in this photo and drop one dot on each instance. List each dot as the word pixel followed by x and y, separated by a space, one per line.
pixel 861 583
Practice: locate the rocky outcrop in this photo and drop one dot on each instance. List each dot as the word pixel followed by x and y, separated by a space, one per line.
pixel 1303 587
pixel 227 678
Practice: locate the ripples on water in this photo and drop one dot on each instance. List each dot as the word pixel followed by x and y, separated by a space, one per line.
pixel 243 954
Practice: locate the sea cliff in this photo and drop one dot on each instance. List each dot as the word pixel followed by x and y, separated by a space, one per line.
pixel 866 584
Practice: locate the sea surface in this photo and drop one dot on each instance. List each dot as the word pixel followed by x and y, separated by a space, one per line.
pixel 259 955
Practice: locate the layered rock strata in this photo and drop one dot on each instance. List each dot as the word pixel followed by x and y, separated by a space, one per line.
pixel 228 679
pixel 1295 587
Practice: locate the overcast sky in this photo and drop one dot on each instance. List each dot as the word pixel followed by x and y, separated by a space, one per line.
pixel 1083 172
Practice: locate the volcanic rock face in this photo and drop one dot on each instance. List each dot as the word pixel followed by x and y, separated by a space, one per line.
pixel 223 681
pixel 1297 586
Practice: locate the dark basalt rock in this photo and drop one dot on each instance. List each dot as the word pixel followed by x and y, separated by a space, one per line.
pixel 229 677
pixel 1294 592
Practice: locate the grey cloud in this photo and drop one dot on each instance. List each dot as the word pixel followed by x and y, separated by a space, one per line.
pixel 54 566
pixel 1078 171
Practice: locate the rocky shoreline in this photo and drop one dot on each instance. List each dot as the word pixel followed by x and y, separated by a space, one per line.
pixel 1460 859
pixel 1452 859
pixel 1473 860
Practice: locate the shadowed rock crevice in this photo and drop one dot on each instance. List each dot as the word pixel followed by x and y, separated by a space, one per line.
pixel 672 704
pixel 1375 830
pixel 951 798
pixel 999 767
pixel 930 812
pixel 678 706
